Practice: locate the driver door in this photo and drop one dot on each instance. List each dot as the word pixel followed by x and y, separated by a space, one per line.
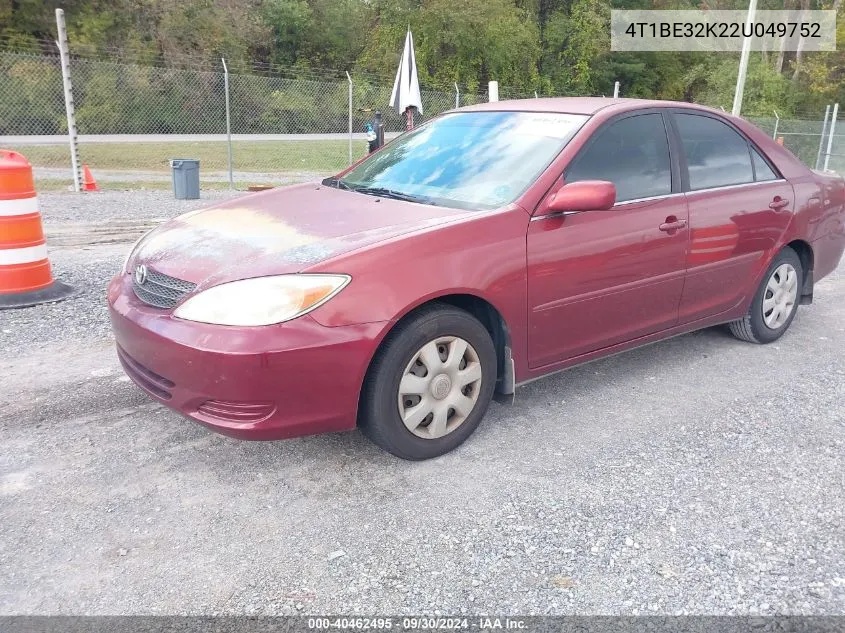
pixel 599 278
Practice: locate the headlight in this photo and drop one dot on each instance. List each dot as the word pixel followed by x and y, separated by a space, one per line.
pixel 262 300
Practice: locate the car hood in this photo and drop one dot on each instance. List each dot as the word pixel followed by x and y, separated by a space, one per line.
pixel 277 231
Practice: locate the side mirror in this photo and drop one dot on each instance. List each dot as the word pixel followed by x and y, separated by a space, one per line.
pixel 583 195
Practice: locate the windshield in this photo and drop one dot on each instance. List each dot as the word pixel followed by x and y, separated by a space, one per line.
pixel 469 160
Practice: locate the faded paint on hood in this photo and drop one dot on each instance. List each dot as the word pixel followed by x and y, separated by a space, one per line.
pixel 277 231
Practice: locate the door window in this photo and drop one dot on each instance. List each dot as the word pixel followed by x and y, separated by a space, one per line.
pixel 632 153
pixel 717 155
pixel 762 171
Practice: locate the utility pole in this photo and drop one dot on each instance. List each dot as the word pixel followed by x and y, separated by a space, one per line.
pixel 743 60
pixel 69 109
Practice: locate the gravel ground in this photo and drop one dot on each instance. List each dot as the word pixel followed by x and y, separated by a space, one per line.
pixel 109 206
pixel 90 264
pixel 700 475
pixel 106 177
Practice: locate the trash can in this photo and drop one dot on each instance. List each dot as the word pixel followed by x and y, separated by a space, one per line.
pixel 186 178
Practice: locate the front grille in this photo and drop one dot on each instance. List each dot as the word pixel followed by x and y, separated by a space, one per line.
pixel 160 290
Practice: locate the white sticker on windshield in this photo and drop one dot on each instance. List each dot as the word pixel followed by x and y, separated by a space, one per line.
pixel 549 125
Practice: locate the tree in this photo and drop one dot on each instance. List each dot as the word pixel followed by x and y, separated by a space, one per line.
pixel 289 22
pixel 470 43
pixel 551 46
pixel 577 43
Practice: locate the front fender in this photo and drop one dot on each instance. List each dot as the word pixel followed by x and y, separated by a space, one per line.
pixel 482 256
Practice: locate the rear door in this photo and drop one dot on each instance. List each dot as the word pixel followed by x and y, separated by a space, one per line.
pixel 598 278
pixel 738 208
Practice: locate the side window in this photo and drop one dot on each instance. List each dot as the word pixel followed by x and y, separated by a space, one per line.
pixel 632 153
pixel 716 155
pixel 762 171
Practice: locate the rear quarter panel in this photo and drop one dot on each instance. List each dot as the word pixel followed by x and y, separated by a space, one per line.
pixel 819 206
pixel 821 221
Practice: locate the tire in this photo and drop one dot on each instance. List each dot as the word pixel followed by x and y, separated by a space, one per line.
pixel 753 327
pixel 408 358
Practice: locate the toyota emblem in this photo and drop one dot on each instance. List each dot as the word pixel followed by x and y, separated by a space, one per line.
pixel 140 275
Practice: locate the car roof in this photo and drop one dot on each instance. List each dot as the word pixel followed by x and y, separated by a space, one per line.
pixel 784 160
pixel 579 105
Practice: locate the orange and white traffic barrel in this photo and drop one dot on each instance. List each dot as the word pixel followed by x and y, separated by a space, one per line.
pixel 25 275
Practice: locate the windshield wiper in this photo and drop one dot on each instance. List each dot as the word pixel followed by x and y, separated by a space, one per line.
pixel 395 195
pixel 335 182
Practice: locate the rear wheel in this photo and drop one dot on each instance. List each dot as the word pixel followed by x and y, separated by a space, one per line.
pixel 775 302
pixel 430 384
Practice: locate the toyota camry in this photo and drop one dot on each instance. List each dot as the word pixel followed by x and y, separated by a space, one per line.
pixel 490 246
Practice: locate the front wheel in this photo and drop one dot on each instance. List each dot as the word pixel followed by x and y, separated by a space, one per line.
pixel 430 384
pixel 775 302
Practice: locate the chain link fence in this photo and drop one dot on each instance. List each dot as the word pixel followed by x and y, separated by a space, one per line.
pixel 31 97
pixel 133 119
pixel 807 137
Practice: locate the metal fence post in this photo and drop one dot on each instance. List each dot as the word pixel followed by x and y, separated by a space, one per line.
pixel 228 122
pixel 777 124
pixel 821 140
pixel 457 96
pixel 616 90
pixel 493 91
pixel 830 136
pixel 64 53
pixel 349 79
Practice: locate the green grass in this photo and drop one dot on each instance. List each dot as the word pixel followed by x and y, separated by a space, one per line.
pixel 247 156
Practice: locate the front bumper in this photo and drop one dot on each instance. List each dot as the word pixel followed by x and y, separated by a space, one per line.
pixel 263 383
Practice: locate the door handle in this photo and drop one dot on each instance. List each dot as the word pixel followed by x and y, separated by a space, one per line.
pixel 672 224
pixel 778 203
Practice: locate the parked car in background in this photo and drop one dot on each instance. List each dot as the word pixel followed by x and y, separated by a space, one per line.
pixel 493 245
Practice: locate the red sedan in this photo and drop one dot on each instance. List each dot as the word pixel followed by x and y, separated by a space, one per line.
pixel 491 246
